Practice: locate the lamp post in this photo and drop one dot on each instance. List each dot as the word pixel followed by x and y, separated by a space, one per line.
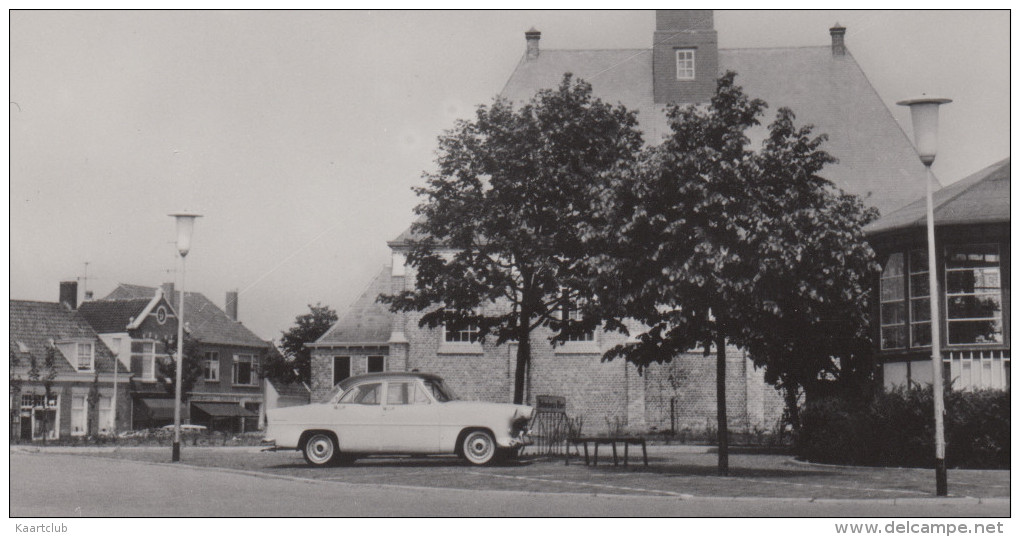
pixel 924 113
pixel 185 226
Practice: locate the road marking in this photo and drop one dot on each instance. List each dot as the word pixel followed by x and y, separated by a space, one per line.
pixel 586 484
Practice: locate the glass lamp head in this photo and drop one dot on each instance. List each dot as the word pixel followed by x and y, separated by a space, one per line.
pixel 185 227
pixel 924 114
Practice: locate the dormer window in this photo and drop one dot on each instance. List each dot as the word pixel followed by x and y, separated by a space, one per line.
pixel 86 357
pixel 685 64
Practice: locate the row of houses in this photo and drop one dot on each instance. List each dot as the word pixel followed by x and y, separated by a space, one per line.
pixel 101 360
pixel 877 161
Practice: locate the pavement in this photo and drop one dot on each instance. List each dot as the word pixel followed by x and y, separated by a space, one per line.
pixel 679 481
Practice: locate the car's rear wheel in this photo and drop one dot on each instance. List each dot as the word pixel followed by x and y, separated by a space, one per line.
pixel 320 450
pixel 479 447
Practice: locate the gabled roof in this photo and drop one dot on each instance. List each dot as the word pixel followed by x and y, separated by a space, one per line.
pixel 291 389
pixel 206 322
pixel 876 158
pixel 33 324
pixel 113 316
pixel 982 197
pixel 366 322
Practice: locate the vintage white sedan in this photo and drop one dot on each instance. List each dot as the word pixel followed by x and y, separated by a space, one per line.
pixel 398 413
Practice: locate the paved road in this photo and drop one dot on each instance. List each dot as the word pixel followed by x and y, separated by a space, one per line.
pixel 48 484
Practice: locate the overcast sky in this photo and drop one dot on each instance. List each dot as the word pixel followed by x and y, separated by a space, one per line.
pixel 298 135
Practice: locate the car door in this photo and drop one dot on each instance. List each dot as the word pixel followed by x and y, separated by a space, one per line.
pixel 357 418
pixel 408 417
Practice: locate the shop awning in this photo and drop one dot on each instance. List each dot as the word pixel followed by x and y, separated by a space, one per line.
pixel 159 409
pixel 224 410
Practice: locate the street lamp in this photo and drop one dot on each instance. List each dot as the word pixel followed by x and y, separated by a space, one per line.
pixel 924 111
pixel 185 226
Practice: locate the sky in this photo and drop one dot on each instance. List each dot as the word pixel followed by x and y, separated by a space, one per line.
pixel 299 135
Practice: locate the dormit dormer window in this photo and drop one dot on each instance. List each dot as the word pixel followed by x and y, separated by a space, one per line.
pixel 685 64
pixel 86 357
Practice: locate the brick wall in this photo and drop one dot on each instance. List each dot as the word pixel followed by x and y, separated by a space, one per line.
pixel 689 380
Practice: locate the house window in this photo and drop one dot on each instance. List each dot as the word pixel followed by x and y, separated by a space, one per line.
pixel 86 357
pixel 973 294
pixel 571 312
pixel 893 305
pixel 245 373
pixel 920 299
pixel 79 415
pixel 376 364
pixel 143 359
pixel 685 64
pixel 211 366
pixel 105 415
pixel 467 334
pixel 341 368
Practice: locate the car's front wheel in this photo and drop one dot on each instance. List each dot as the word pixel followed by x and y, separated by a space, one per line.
pixel 479 447
pixel 320 450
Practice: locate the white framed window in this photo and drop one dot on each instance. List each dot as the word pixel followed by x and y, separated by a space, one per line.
pixel 143 359
pixel 570 312
pixel 86 357
pixel 341 368
pixel 920 299
pixel 685 64
pixel 466 334
pixel 211 366
pixel 79 415
pixel 974 294
pixel 893 304
pixel 245 370
pixel 105 415
pixel 376 364
pixel 45 414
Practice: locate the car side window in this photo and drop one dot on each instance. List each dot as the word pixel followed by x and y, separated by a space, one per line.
pixel 397 393
pixel 366 394
pixel 419 396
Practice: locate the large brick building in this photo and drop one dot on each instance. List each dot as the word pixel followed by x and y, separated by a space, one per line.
pixel 823 85
pixel 229 394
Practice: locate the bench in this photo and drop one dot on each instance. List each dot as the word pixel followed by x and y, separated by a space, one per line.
pixel 627 441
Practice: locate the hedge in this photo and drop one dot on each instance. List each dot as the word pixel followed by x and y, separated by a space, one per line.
pixel 896 428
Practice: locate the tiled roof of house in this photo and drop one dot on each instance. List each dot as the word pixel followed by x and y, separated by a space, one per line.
pixel 206 321
pixel 34 324
pixel 982 197
pixel 366 321
pixel 291 389
pixel 877 161
pixel 109 316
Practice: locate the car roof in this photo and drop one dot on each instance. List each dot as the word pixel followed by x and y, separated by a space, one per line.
pixel 391 375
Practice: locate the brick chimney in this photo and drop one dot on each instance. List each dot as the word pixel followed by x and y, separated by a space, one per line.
pixel 685 56
pixel 169 294
pixel 838 46
pixel 532 36
pixel 231 305
pixel 69 294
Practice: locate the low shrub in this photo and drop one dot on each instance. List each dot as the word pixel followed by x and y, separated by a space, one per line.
pixel 896 428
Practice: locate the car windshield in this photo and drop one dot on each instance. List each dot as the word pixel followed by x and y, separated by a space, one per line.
pixel 333 394
pixel 440 392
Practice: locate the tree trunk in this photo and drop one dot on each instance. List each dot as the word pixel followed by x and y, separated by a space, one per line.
pixel 523 360
pixel 720 404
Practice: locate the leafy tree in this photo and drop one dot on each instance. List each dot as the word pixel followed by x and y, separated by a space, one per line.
pixel 501 216
pixel 93 405
pixel 16 383
pixel 295 364
pixel 193 367
pixel 710 244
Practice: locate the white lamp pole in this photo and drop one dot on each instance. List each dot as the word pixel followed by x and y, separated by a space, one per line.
pixel 924 112
pixel 185 226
